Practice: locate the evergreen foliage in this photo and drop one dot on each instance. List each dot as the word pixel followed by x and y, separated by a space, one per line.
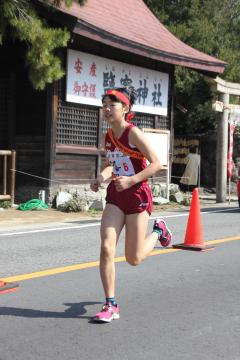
pixel 212 27
pixel 24 23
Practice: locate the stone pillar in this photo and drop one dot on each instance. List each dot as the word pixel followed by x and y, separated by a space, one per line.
pixel 222 148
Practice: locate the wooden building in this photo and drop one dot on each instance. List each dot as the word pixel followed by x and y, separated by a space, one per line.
pixel 57 141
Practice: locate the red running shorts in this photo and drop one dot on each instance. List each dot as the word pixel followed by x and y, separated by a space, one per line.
pixel 136 199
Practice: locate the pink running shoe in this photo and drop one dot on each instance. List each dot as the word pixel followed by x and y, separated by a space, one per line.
pixel 108 313
pixel 166 237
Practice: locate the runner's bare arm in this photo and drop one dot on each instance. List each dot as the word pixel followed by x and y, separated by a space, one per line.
pixel 105 174
pixel 137 138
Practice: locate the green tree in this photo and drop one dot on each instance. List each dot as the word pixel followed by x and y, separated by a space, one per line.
pixel 20 19
pixel 209 26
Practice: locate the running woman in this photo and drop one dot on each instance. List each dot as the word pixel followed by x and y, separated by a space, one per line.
pixel 129 197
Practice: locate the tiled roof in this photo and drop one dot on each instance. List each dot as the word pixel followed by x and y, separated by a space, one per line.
pixel 131 26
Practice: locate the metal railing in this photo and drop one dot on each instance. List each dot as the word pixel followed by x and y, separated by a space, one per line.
pixel 8 174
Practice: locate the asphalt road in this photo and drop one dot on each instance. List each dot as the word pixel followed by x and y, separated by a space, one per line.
pixel 176 305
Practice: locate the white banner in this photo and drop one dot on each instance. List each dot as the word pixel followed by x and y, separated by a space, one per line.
pixel 89 76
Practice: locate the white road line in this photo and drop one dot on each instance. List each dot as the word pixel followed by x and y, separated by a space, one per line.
pixel 49 229
pixel 202 213
pixel 98 223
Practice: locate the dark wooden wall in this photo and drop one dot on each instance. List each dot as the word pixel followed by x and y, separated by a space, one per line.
pixel 4 108
pixel 53 139
pixel 75 168
pixel 22 116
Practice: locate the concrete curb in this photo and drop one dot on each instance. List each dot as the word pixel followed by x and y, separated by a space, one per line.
pixel 14 220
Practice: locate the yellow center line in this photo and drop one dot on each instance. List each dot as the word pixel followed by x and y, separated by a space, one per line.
pixel 82 266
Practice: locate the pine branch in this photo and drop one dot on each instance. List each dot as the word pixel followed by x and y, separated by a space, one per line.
pixel 42 41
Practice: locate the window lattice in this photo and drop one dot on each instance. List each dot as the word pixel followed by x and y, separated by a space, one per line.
pixel 162 122
pixel 76 124
pixel 144 120
pixel 105 127
pixel 148 121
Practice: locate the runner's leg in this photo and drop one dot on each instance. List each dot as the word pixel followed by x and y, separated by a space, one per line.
pixel 137 246
pixel 111 225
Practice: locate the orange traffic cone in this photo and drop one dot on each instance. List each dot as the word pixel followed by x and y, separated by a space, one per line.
pixel 193 237
pixel 7 287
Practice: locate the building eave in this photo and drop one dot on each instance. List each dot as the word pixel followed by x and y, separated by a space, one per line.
pixel 89 31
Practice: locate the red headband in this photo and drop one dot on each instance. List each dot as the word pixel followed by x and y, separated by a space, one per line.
pixel 119 95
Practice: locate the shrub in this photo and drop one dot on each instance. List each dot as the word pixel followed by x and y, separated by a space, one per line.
pixel 76 204
pixel 5 204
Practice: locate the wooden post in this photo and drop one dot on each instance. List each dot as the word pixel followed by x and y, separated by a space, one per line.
pixel 51 124
pixel 5 154
pixel 171 144
pixel 12 176
pixel 99 145
pixel 4 174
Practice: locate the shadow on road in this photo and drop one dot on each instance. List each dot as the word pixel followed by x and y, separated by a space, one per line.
pixel 74 310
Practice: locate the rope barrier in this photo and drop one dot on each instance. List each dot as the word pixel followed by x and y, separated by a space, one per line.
pixel 47 179
pixel 81 179
pixel 37 204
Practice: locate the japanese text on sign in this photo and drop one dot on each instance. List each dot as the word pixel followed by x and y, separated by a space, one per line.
pixel 90 76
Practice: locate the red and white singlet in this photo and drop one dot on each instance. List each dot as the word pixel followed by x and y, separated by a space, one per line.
pixel 138 198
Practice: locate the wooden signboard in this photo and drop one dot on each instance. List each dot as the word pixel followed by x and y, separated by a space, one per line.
pixel 160 140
